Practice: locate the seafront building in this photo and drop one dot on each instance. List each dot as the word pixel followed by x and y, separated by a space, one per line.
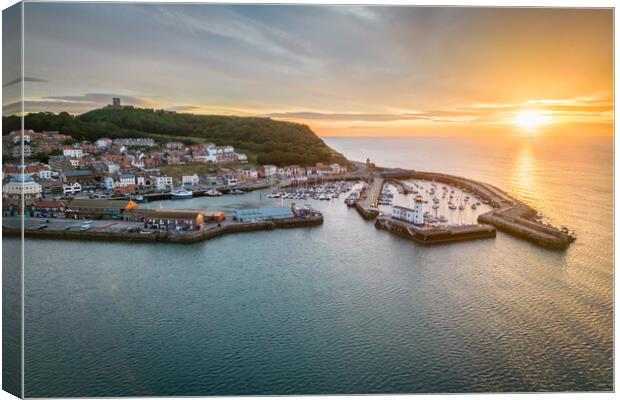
pixel 69 172
pixel 22 183
pixel 262 214
pixel 414 216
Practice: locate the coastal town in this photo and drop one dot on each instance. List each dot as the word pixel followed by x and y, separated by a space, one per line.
pixel 64 179
pixel 93 190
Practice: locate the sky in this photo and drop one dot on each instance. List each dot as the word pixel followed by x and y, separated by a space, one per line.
pixel 342 70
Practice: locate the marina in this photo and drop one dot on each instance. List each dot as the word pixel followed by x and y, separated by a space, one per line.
pixel 447 202
pixel 448 208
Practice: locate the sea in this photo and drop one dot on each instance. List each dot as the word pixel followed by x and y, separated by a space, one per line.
pixel 343 308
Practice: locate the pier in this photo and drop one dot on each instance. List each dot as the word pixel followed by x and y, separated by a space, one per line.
pixel 367 204
pixel 434 235
pixel 509 215
pixel 210 231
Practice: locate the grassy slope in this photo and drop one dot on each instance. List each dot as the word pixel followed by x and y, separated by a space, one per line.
pixel 265 140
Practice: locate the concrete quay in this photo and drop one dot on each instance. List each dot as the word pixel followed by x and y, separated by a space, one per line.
pixel 366 206
pixel 435 235
pixel 111 232
pixel 510 215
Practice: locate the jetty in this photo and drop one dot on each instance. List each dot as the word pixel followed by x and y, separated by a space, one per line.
pixel 210 231
pixel 366 206
pixel 434 235
pixel 509 214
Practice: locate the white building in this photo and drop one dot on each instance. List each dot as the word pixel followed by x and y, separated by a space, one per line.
pixel 71 188
pixel 45 174
pixel 230 180
pixel 15 188
pixel 270 170
pixel 126 180
pixel 108 183
pixel 415 216
pixel 72 152
pixel 190 180
pixel 103 143
pixel 337 169
pixel 112 167
pixel 17 136
pixel 163 182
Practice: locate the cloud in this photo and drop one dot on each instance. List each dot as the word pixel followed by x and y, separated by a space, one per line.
pixel 26 79
pixel 347 116
pixel 103 99
pixel 474 112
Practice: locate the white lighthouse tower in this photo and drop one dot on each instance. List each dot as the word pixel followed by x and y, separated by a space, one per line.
pixel 418 211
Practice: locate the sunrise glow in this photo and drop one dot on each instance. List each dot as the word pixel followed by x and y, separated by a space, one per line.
pixel 531 120
pixel 488 75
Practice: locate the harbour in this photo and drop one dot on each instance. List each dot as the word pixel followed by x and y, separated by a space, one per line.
pixel 270 298
pixel 508 214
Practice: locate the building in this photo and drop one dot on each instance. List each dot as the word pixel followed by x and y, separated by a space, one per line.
pixel 125 180
pixel 175 145
pixel 163 182
pixel 190 180
pixel 71 188
pixel 135 142
pixel 270 170
pixel 103 143
pixel 174 220
pixel 249 173
pixel 73 152
pixel 16 136
pixel 47 208
pixel 262 214
pixel 108 183
pixel 11 207
pixel 15 188
pixel 414 216
pixel 116 102
pixel 98 208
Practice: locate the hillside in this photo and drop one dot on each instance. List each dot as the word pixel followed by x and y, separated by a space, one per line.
pixel 265 140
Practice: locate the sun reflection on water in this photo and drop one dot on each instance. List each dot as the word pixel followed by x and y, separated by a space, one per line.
pixel 523 179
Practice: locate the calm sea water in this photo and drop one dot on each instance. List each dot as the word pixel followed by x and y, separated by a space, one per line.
pixel 341 308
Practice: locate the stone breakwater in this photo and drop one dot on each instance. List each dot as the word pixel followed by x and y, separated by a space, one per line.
pixel 183 237
pixel 509 214
pixel 435 235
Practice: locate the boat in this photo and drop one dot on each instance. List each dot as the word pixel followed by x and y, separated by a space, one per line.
pixel 181 194
pixel 213 193
pixel 85 227
pixel 452 207
pixel 443 219
pixel 140 199
pixel 237 192
pixel 461 207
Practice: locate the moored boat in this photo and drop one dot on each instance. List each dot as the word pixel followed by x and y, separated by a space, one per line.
pixel 213 193
pixel 181 194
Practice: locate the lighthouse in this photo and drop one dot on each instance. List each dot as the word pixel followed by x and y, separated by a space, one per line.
pixel 418 211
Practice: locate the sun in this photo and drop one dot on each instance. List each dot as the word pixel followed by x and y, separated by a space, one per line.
pixel 531 119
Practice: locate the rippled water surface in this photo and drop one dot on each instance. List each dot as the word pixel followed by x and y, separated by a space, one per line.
pixel 341 308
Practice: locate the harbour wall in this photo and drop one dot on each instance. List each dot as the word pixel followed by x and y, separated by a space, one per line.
pixel 184 237
pixel 509 215
pixel 431 235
